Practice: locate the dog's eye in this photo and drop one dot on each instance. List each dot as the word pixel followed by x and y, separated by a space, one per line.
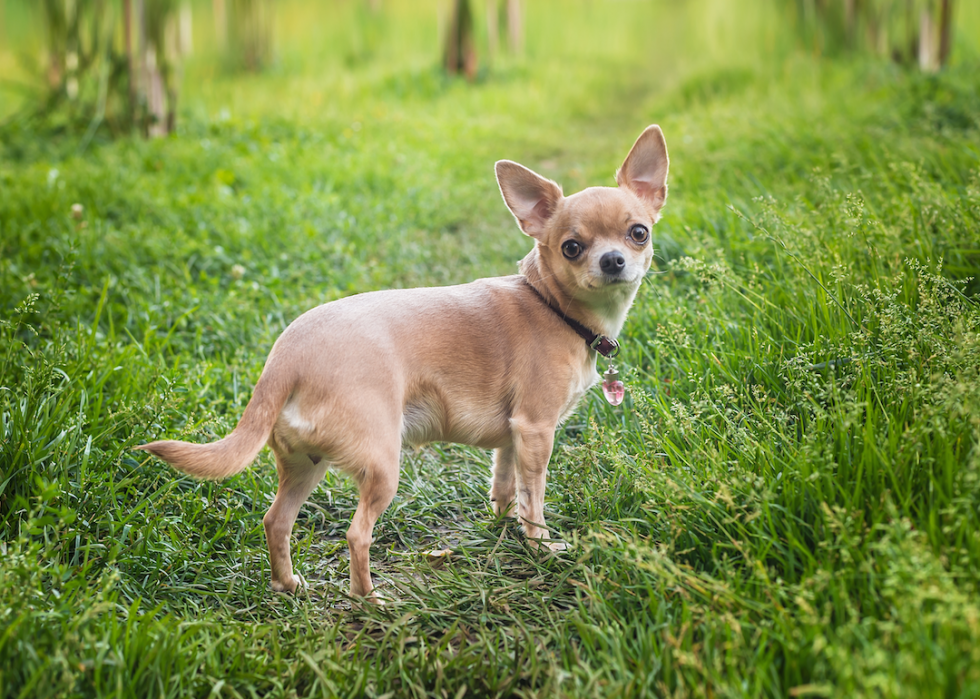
pixel 639 233
pixel 571 249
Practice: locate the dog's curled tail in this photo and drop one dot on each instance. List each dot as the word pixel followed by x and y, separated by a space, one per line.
pixel 232 454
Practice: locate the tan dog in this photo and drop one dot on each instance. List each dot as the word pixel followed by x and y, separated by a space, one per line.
pixel 497 363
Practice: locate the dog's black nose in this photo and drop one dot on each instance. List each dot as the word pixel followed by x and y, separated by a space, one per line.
pixel 612 262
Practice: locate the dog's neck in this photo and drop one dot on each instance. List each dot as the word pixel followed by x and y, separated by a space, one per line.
pixel 602 312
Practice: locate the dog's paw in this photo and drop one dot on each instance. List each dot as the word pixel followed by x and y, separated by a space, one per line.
pixel 290 586
pixel 543 543
pixel 368 600
pixel 505 509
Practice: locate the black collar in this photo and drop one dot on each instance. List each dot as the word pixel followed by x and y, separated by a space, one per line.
pixel 605 346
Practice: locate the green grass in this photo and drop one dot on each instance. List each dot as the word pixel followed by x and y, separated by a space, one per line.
pixel 787 504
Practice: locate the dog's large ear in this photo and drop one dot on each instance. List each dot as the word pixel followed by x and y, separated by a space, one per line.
pixel 529 196
pixel 644 172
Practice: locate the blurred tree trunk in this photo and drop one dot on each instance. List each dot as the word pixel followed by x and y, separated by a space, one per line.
pixel 79 39
pixel 515 25
pixel 56 24
pixel 504 16
pixel 249 32
pixel 928 38
pixel 130 60
pixel 945 30
pixel 219 11
pixel 154 41
pixel 185 30
pixel 159 49
pixel 493 30
pixel 910 32
pixel 92 81
pixel 139 78
pixel 909 52
pixel 460 53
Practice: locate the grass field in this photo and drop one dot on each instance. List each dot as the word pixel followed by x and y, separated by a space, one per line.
pixel 787 503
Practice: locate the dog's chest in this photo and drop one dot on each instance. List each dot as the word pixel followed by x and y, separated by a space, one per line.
pixel 581 381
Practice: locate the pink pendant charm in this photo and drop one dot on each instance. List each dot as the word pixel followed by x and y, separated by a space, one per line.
pixel 612 388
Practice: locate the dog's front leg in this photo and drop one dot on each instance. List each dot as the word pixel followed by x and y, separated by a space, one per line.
pixel 503 489
pixel 533 443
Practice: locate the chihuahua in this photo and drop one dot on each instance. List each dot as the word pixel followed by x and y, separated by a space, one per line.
pixel 497 363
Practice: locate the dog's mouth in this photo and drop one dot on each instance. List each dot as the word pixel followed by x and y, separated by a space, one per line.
pixel 605 281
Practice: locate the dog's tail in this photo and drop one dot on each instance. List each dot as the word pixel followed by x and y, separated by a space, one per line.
pixel 232 454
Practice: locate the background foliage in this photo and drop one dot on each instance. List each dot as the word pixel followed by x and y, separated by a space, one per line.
pixel 786 504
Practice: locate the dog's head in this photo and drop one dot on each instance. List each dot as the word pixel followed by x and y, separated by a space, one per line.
pixel 594 245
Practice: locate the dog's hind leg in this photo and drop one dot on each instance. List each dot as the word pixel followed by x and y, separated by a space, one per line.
pixel 533 443
pixel 503 489
pixel 378 484
pixel 298 476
